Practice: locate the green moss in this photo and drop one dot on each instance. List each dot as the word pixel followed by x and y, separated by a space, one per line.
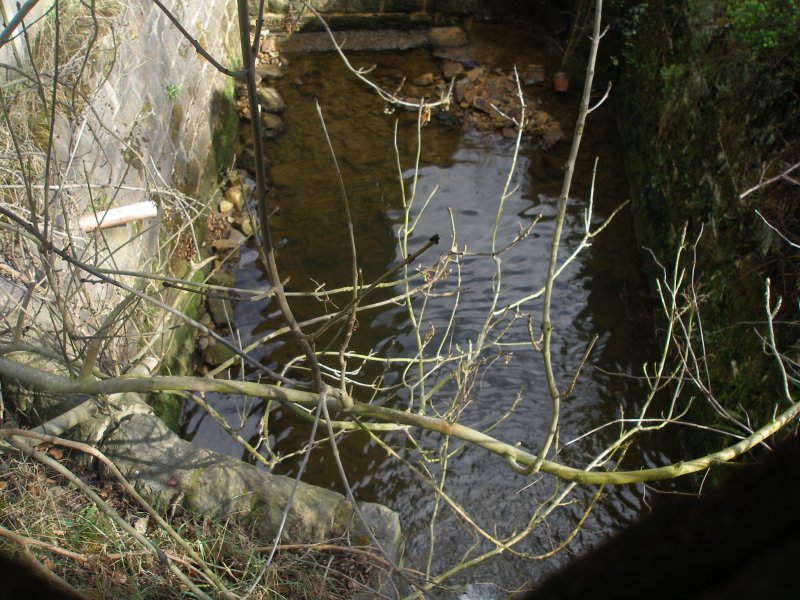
pixel 703 114
pixel 175 123
pixel 168 406
pixel 226 124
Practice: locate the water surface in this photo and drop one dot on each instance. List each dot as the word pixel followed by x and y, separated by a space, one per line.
pixel 601 293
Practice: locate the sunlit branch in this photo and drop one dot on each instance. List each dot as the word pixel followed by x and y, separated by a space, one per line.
pixel 547 327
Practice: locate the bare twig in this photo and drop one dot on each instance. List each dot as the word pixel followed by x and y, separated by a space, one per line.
pixel 22 12
pixel 197 46
pixel 46 574
pixel 770 181
pixel 547 326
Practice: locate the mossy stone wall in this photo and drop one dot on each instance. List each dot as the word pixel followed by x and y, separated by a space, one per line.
pixel 708 106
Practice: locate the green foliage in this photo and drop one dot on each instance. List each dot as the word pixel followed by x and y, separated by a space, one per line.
pixel 672 77
pixel 763 24
pixel 226 123
pixel 709 101
pixel 627 18
pixel 172 91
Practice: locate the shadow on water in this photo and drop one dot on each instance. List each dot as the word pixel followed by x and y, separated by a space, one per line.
pixel 603 292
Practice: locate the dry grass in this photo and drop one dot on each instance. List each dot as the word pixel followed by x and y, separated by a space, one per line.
pixel 70 536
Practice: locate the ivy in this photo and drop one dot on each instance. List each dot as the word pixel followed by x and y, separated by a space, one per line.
pixel 763 24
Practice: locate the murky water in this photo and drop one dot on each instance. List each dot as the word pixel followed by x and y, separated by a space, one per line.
pixel 602 292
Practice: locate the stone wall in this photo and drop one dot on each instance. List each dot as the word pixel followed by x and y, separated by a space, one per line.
pixel 709 112
pixel 158 107
pixel 368 14
pixel 142 116
pixel 164 98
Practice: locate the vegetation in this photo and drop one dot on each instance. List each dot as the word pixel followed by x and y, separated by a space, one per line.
pixel 763 24
pixel 46 514
pixel 712 126
pixel 699 78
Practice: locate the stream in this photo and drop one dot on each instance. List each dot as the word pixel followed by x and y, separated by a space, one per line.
pixel 463 170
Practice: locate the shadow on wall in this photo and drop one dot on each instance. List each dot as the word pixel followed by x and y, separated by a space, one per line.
pixel 224 122
pixel 742 540
pixel 553 15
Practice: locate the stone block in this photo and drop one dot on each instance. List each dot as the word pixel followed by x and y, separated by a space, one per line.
pixel 361 22
pixel 533 74
pixel 272 125
pixel 402 6
pixel 356 40
pixel 270 100
pixel 162 465
pixel 330 6
pixel 455 7
pixel 448 37
pixel 421 20
pixel 363 6
pixel 268 71
pixel 275 6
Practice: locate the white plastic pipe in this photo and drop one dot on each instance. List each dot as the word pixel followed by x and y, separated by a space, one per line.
pixel 118 216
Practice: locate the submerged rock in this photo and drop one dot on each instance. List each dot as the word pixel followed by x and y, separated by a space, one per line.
pixel 273 125
pixel 217 354
pixel 490 101
pixel 235 196
pixel 451 68
pixel 447 37
pixel 533 74
pixel 268 71
pixel 221 309
pixel 424 79
pixel 270 100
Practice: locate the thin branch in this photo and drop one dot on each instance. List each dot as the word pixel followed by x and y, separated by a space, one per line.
pixel 198 48
pixel 547 326
pixel 115 472
pixel 65 589
pixel 775 229
pixel 265 236
pixel 104 507
pixel 771 180
pixel 22 12
pixel 432 241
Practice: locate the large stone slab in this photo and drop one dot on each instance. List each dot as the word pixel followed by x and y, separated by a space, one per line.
pixel 170 469
pixel 355 41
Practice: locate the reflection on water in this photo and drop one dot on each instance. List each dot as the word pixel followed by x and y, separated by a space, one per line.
pixel 601 292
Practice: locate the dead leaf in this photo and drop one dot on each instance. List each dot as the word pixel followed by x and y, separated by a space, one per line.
pixel 140 524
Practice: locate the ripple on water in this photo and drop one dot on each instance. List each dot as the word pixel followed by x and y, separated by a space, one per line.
pixel 463 172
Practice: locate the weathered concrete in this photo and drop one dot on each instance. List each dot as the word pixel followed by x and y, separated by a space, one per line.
pixel 385 40
pixel 368 14
pixel 354 41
